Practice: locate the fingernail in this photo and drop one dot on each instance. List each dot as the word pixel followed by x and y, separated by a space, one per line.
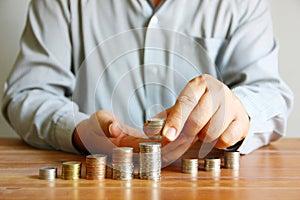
pixel 170 134
pixel 110 130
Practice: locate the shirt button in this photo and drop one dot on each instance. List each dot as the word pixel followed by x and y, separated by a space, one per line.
pixel 154 20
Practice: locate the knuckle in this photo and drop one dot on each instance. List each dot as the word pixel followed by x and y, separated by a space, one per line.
pixel 205 78
pixel 225 141
pixel 100 113
pixel 176 118
pixel 205 137
pixel 194 123
pixel 202 79
pixel 186 100
pixel 228 140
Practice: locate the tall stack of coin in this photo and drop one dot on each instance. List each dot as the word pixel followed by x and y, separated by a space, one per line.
pixel 122 163
pixel 48 173
pixel 189 165
pixel 154 126
pixel 232 159
pixel 150 160
pixel 212 164
pixel 96 166
pixel 71 170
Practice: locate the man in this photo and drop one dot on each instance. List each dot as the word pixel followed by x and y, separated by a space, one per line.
pixel 91 72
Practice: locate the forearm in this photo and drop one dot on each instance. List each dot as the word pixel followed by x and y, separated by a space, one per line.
pixel 36 102
pixel 249 66
pixel 268 108
pixel 43 120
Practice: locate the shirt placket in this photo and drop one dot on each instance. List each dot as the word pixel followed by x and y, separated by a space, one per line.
pixel 153 63
pixel 154 66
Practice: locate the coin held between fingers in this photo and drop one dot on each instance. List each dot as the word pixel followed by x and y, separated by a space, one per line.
pixel 153 127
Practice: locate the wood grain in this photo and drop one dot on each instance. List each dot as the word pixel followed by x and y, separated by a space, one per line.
pixel 272 172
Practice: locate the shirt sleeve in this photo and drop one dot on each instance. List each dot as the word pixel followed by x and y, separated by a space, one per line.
pixel 36 99
pixel 249 65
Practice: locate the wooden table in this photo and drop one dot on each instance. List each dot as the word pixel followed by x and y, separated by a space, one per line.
pixel 272 172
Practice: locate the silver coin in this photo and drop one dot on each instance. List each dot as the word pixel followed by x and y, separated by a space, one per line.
pixel 122 163
pixel 232 159
pixel 212 164
pixel 150 161
pixel 154 127
pixel 189 165
pixel 48 173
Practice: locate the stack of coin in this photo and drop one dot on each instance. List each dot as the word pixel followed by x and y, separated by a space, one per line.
pixel 48 173
pixel 122 163
pixel 71 170
pixel 189 166
pixel 154 126
pixel 232 159
pixel 212 164
pixel 150 160
pixel 96 166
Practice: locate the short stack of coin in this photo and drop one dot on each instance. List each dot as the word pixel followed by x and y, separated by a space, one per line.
pixel 232 159
pixel 122 163
pixel 71 170
pixel 48 173
pixel 212 164
pixel 154 126
pixel 96 166
pixel 150 160
pixel 189 165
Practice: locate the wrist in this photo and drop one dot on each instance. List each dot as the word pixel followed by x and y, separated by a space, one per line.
pixel 78 144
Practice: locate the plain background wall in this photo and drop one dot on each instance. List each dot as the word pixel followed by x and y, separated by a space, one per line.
pixel 286 20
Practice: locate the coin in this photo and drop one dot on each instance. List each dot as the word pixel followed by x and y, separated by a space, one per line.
pixel 48 173
pixel 232 159
pixel 212 164
pixel 122 155
pixel 96 166
pixel 189 165
pixel 150 160
pixel 154 126
pixel 122 163
pixel 122 171
pixel 71 170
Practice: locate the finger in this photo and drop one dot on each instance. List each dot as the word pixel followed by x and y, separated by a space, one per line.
pixel 177 148
pixel 130 141
pixel 184 105
pixel 117 129
pixel 235 132
pixel 134 132
pixel 217 124
pixel 201 115
pixel 92 137
pixel 105 119
pixel 157 130
pixel 113 127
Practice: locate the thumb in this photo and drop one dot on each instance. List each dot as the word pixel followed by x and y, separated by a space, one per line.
pixel 108 123
pixel 113 127
pixel 114 130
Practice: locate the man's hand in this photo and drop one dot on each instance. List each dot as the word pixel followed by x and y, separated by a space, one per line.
pixel 207 108
pixel 103 131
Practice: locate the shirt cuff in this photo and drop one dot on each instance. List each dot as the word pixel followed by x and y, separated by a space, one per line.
pixel 64 130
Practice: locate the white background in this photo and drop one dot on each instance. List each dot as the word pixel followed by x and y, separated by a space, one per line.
pixel 286 20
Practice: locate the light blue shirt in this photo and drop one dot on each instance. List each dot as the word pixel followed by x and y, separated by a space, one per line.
pixel 80 56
